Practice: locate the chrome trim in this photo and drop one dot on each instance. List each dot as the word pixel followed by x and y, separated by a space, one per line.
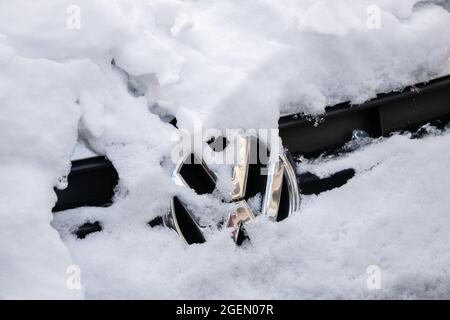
pixel 240 170
pixel 170 221
pixel 279 171
pixel 241 214
pixel 280 174
pixel 178 178
pixel 294 193
pixel 274 186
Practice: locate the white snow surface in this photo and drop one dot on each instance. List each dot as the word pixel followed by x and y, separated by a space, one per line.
pixel 225 64
pixel 393 214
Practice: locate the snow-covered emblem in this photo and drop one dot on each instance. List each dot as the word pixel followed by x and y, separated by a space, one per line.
pixel 275 181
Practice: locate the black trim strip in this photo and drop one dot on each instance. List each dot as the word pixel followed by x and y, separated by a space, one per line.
pixel 396 111
pixel 309 183
pixel 91 182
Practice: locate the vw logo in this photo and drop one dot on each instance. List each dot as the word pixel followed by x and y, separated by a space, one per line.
pixel 275 181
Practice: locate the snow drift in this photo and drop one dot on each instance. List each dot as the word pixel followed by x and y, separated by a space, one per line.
pixel 105 71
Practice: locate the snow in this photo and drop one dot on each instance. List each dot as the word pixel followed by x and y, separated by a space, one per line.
pixel 323 251
pixel 398 197
pixel 225 64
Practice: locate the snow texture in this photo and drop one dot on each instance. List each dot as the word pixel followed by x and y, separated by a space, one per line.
pixel 393 214
pixel 103 72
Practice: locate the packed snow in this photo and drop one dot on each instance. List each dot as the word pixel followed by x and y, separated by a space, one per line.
pixel 104 72
pixel 393 215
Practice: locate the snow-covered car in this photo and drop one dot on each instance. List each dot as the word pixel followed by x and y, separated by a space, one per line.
pixel 224 149
pixel 93 178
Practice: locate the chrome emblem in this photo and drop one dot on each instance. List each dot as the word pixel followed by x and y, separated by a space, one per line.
pixel 275 181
